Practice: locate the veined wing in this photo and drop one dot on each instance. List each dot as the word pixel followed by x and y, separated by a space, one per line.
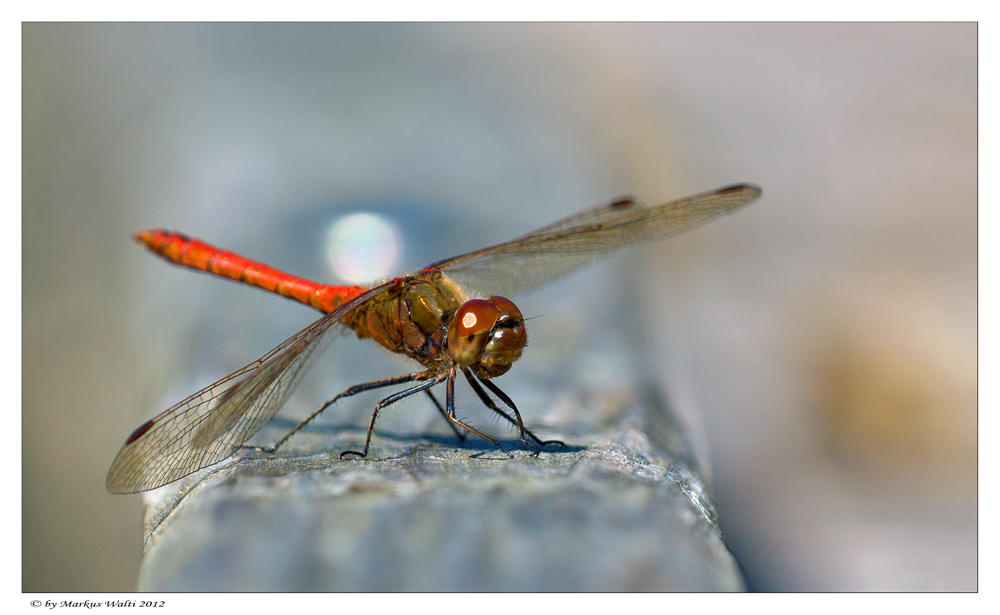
pixel 556 250
pixel 213 423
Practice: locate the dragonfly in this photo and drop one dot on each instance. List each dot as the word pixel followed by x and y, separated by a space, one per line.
pixel 436 316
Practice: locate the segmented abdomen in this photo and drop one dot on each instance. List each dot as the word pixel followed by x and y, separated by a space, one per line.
pixel 196 254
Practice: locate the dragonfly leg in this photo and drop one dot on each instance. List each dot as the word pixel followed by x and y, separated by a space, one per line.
pixel 354 390
pixel 430 381
pixel 450 400
pixel 519 423
pixel 444 413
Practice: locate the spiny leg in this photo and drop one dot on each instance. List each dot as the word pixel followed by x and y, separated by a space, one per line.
pixel 444 413
pixel 426 384
pixel 354 390
pixel 450 400
pixel 519 423
pixel 507 400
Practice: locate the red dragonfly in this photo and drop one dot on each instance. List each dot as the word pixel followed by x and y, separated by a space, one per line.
pixel 427 316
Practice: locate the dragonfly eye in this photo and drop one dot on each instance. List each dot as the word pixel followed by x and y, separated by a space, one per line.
pixel 469 330
pixel 506 341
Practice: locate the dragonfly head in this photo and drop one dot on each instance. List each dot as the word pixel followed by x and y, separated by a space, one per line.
pixel 487 335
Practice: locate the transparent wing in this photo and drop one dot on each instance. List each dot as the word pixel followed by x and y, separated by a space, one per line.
pixel 213 423
pixel 553 251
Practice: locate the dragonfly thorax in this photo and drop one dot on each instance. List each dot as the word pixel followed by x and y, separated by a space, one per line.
pixel 427 318
pixel 410 316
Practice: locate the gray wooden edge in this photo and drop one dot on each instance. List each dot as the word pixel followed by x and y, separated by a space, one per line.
pixel 621 508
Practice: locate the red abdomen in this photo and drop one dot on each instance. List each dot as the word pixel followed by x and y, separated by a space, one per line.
pixel 196 254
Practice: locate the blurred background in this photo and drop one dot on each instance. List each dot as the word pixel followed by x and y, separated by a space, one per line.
pixel 820 344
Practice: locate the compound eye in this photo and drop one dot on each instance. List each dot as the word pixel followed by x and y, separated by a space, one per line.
pixel 469 330
pixel 476 316
pixel 509 314
pixel 506 343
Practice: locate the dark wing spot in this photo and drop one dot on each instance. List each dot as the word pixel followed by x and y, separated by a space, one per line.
pixel 733 188
pixel 138 432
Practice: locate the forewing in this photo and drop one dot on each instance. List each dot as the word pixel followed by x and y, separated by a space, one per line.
pixel 551 252
pixel 213 423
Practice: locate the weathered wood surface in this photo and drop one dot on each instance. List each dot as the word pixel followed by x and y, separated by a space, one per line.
pixel 623 507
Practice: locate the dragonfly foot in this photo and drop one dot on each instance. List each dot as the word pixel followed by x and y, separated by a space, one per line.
pixel 356 453
pixel 546 442
pixel 539 443
pixel 535 449
pixel 502 449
